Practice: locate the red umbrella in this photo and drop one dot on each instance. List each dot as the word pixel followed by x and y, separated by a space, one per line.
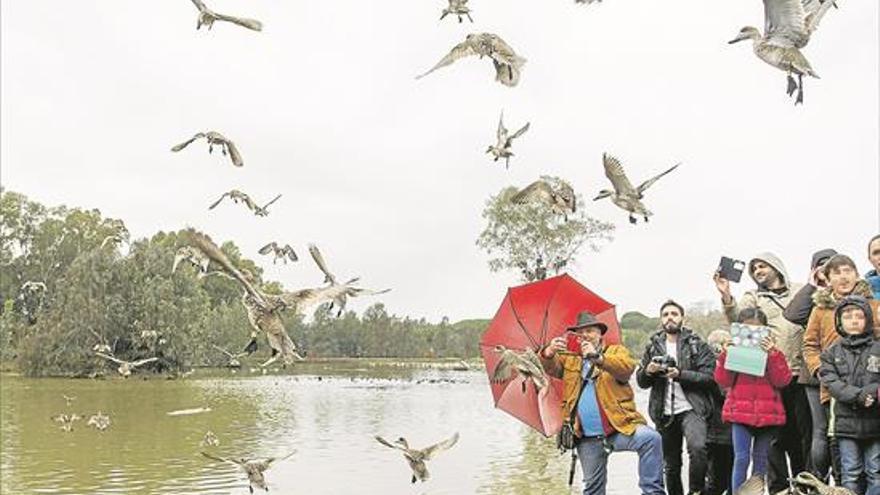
pixel 529 317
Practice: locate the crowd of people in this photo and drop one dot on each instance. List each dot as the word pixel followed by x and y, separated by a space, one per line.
pixel 815 408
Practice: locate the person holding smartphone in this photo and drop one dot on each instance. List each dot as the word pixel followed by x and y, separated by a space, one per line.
pixel 600 404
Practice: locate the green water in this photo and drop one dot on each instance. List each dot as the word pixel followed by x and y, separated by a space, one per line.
pixel 327 412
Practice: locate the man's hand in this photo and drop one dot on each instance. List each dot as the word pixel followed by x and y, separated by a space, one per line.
pixel 588 349
pixel 723 286
pixel 672 373
pixel 556 345
pixel 869 400
pixel 652 368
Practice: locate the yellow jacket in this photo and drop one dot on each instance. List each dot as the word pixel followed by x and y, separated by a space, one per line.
pixel 613 392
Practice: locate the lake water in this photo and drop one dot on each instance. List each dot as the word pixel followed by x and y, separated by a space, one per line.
pixel 327 412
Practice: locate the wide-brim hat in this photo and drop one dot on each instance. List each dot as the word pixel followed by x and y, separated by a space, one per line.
pixel 587 319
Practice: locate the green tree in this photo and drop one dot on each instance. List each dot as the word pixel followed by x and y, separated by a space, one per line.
pixel 533 239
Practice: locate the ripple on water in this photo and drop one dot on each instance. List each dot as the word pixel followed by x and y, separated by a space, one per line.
pixel 330 423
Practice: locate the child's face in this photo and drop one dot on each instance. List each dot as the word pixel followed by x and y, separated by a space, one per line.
pixel 852 319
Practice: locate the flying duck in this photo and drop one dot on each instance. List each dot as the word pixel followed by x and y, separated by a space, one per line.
pixel 508 64
pixel 624 195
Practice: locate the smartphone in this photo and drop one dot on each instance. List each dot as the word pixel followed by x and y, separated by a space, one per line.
pixel 573 342
pixel 731 269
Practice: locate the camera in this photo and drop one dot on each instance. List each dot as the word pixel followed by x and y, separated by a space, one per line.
pixel 665 362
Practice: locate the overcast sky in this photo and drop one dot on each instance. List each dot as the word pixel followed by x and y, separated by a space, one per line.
pixel 388 175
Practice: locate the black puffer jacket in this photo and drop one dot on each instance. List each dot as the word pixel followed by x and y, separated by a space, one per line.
pixel 695 361
pixel 851 371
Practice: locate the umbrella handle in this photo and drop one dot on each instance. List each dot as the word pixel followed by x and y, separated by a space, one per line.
pixel 573 466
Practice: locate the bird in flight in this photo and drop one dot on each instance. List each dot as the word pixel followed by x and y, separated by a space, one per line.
pixel 125 367
pixel 254 469
pixel 788 26
pixel 526 363
pixel 239 197
pixel 208 16
pixel 226 146
pixel 624 195
pixel 458 8
pixel 560 197
pixel 508 65
pixel 283 253
pixel 417 457
pixel 501 149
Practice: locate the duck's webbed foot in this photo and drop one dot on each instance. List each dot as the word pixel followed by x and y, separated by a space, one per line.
pixel 632 219
pixel 800 94
pixel 646 219
pixel 789 90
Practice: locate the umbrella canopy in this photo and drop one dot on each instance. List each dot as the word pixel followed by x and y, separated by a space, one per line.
pixel 529 317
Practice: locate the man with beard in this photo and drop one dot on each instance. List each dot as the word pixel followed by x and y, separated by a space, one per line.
pixel 772 296
pixel 678 367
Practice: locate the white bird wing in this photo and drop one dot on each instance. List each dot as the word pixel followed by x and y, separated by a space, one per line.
pixel 276 198
pixel 222 459
pixel 301 300
pixel 234 155
pixel 204 243
pixel 816 9
pixel 429 452
pixel 461 50
pixel 141 362
pixel 319 260
pixel 251 24
pixel 268 248
pixel 289 252
pixel 784 23
pixel 111 358
pixel 269 460
pixel 358 291
pixel 614 172
pixel 388 444
pixel 178 147
pixel 648 183
pixel 501 133
pixel 504 369
pixel 200 5
pixel 538 190
pixel 521 131
pixel 215 203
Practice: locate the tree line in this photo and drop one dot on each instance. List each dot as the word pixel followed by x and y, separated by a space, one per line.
pixel 99 294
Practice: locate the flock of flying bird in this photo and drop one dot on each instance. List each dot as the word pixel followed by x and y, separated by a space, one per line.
pixel 789 24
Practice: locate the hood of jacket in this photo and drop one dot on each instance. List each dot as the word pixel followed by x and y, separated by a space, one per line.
pixel 825 298
pixel 774 261
pixel 861 303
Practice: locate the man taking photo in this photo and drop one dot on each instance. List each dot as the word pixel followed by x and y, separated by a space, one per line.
pixel 678 367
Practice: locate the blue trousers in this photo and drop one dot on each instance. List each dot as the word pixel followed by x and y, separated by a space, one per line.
pixel 750 445
pixel 645 441
pixel 858 457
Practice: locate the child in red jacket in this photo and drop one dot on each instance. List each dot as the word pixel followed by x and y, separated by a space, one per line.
pixel 753 405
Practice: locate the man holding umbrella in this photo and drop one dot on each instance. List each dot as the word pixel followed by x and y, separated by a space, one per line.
pixel 600 404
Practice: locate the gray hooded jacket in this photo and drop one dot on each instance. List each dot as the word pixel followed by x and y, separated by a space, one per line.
pixel 789 336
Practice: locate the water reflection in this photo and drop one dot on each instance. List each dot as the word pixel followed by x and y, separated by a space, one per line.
pixel 327 412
